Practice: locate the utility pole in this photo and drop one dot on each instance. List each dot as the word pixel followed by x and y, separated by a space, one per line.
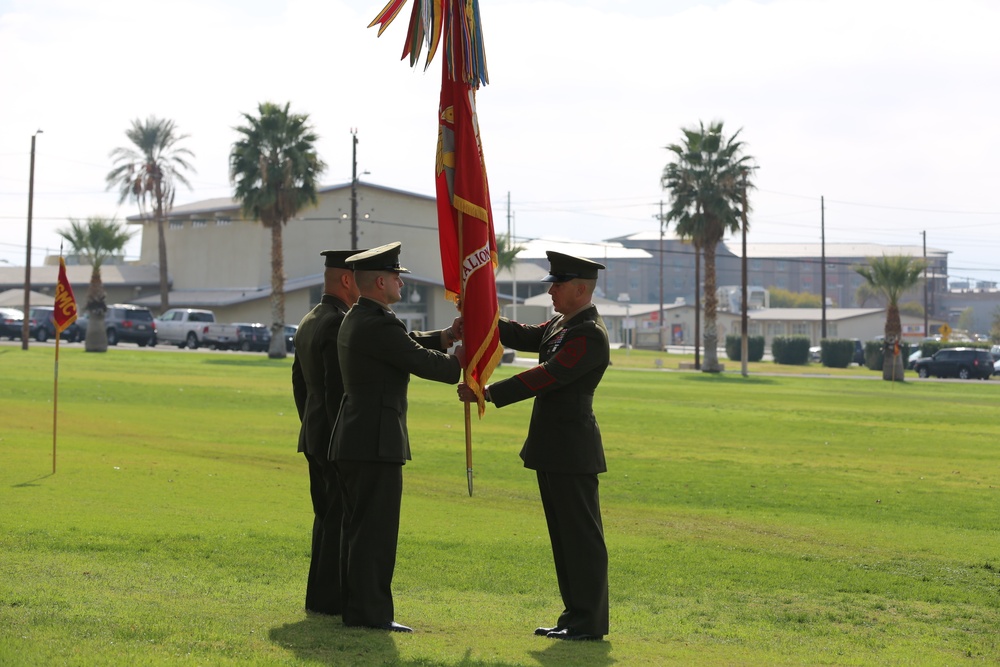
pixel 513 263
pixel 744 343
pixel 26 326
pixel 354 189
pixel 822 268
pixel 926 330
pixel 663 224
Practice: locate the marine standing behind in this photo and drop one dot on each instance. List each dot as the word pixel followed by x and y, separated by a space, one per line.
pixel 370 443
pixel 564 441
pixel 318 390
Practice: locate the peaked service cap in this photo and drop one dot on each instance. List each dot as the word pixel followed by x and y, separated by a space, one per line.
pixel 383 258
pixel 337 259
pixel 564 267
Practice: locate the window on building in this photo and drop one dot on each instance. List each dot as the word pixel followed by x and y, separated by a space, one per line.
pixel 775 328
pixel 831 329
pixel 199 223
pixel 800 329
pixel 753 328
pixel 223 220
pixel 176 224
pixel 781 265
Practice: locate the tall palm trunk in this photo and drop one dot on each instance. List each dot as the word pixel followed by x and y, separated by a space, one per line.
pixel 96 339
pixel 161 239
pixel 711 306
pixel 892 363
pixel 277 349
pixel 697 307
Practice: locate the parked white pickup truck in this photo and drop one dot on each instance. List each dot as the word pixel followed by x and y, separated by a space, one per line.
pixel 187 327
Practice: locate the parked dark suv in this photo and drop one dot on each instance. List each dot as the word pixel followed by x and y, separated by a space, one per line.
pixel 130 324
pixel 253 337
pixel 43 326
pixel 956 362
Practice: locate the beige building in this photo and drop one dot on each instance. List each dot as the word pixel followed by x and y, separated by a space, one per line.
pixel 220 261
pixel 639 322
pixel 861 323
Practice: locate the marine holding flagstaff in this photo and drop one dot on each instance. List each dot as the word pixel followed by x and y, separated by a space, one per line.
pixel 318 390
pixel 564 445
pixel 370 444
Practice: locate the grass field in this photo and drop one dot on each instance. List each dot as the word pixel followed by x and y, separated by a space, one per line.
pixel 766 520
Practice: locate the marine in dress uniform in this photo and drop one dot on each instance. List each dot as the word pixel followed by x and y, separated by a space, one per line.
pixel 370 443
pixel 564 444
pixel 318 390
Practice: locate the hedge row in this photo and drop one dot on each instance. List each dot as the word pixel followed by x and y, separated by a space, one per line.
pixel 755 348
pixel 790 350
pixel 836 352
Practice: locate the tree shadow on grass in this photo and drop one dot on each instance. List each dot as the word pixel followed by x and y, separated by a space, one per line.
pixel 727 378
pixel 244 360
pixel 324 639
pixel 563 653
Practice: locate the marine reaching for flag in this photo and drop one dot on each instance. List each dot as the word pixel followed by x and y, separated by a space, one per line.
pixel 465 218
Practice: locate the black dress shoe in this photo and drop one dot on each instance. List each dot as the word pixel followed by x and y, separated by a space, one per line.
pixel 544 632
pixel 393 626
pixel 573 636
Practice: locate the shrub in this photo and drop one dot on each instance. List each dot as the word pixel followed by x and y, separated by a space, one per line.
pixel 836 352
pixel 755 348
pixel 790 350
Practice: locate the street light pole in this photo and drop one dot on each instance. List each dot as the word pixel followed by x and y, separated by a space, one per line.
pixel 354 190
pixel 744 306
pixel 663 221
pixel 926 329
pixel 26 326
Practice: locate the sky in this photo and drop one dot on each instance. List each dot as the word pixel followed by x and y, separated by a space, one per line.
pixel 887 109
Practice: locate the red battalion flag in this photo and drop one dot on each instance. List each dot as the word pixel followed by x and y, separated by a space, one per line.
pixel 465 217
pixel 64 313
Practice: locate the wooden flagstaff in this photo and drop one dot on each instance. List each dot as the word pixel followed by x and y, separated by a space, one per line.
pixel 55 404
pixel 465 367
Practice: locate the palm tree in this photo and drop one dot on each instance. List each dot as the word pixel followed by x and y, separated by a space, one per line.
pixel 146 172
pixel 707 180
pixel 890 276
pixel 506 253
pixel 94 242
pixel 274 168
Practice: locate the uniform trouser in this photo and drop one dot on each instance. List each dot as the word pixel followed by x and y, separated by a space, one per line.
pixel 323 585
pixel 573 514
pixel 372 494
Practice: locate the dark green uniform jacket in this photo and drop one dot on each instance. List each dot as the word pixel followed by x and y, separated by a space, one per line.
pixel 377 356
pixel 316 382
pixel 563 435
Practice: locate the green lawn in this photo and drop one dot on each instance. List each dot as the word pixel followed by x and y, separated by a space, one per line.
pixel 769 520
